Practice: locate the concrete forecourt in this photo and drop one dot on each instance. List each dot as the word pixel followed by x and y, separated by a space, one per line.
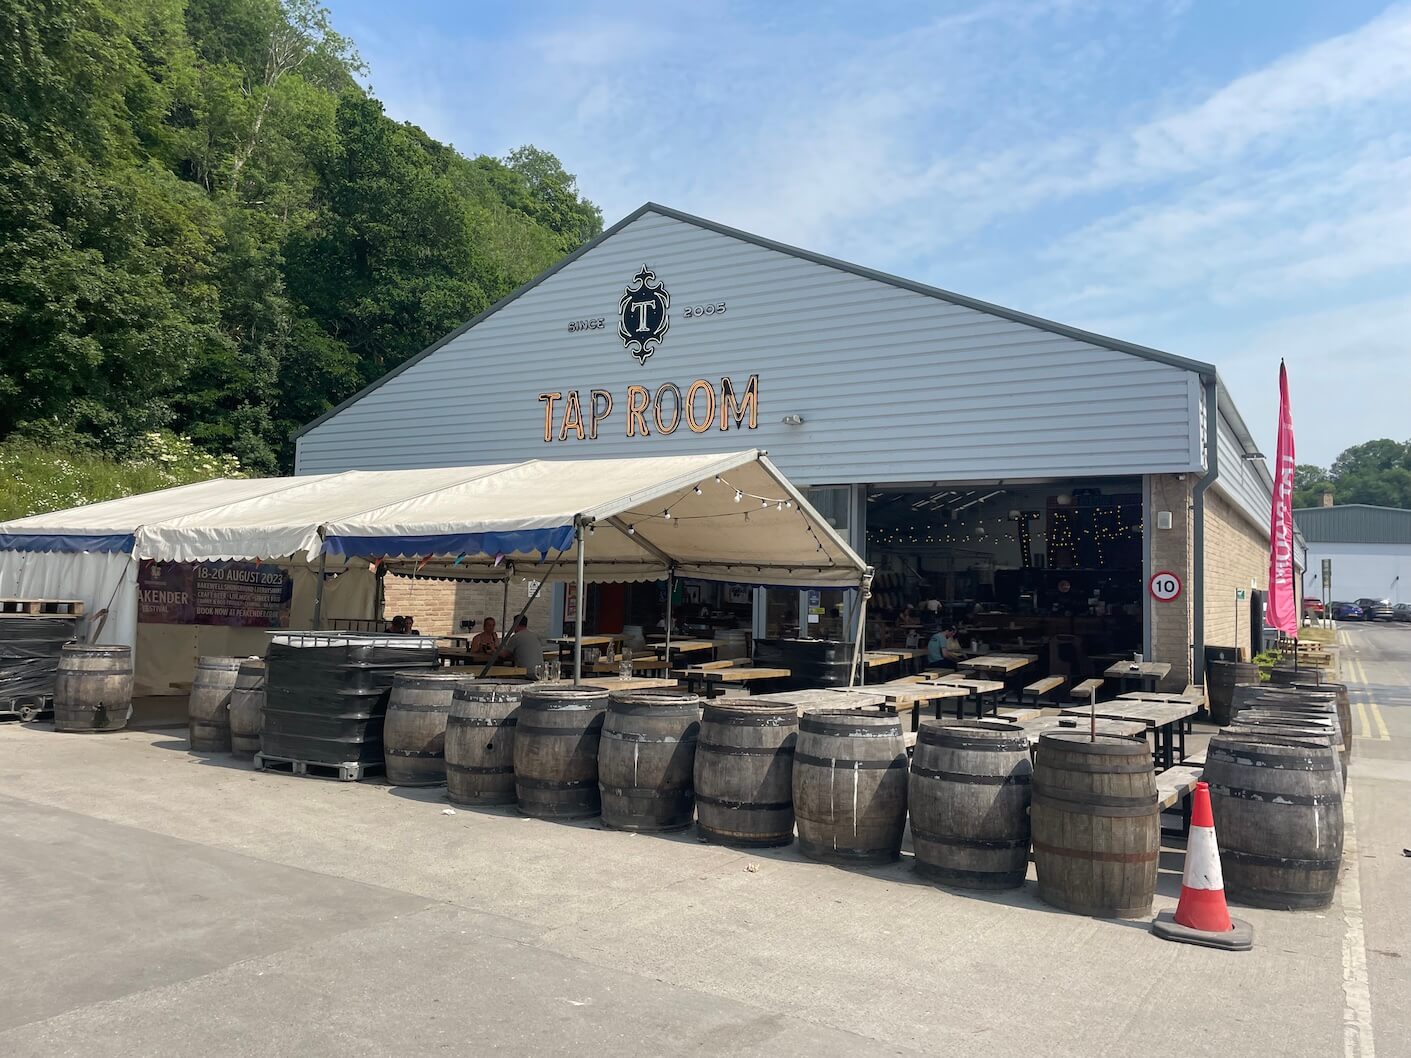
pixel 165 904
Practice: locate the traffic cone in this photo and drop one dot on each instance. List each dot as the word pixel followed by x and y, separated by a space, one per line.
pixel 1201 915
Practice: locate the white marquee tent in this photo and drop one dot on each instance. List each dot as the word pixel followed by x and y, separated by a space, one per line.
pixel 729 517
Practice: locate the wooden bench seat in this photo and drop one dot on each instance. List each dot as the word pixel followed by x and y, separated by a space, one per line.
pixel 1087 690
pixel 1174 785
pixel 1018 715
pixel 1039 688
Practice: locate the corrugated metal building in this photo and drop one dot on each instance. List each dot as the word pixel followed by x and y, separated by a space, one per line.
pixel 1368 548
pixel 980 457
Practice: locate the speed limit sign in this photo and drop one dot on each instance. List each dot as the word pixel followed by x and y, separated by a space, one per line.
pixel 1165 586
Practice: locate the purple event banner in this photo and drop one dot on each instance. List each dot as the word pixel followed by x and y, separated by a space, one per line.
pixel 238 594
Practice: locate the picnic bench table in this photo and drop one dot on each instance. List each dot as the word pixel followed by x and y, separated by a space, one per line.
pixel 465 657
pixel 1000 663
pixel 981 692
pixel 712 681
pixel 909 697
pixel 680 647
pixel 617 683
pixel 822 698
pixel 1041 725
pixel 645 664
pixel 1166 721
pixel 1146 674
pixel 998 666
pixel 911 659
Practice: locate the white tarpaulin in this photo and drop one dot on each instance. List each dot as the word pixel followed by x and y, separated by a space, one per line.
pixel 730 517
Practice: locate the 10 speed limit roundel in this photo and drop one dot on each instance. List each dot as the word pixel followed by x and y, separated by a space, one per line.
pixel 1165 586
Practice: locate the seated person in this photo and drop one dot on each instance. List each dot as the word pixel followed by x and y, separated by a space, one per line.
pixel 398 626
pixel 487 642
pixel 944 648
pixel 409 625
pixel 522 648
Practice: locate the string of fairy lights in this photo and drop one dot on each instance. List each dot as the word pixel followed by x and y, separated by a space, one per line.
pixel 746 499
pixel 1065 532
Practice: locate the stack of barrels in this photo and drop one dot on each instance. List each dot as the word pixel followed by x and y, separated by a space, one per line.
pixel 1277 776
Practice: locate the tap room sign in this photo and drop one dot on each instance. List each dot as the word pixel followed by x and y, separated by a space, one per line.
pixel 235 594
pixel 643 324
pixel 699 407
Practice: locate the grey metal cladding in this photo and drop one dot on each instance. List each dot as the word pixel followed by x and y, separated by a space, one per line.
pixel 1354 523
pixel 1244 482
pixel 893 381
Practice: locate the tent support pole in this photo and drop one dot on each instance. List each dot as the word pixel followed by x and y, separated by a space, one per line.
pixel 505 607
pixel 318 591
pixel 858 669
pixel 578 612
pixel 670 591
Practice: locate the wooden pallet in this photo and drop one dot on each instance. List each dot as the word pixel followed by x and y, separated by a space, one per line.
pixel 41 608
pixel 350 772
pixel 26 707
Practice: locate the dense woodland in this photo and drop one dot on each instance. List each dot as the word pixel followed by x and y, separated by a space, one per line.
pixel 210 230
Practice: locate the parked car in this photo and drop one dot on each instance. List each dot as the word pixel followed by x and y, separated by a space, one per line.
pixel 1402 611
pixel 1346 611
pixel 1313 607
pixel 1376 610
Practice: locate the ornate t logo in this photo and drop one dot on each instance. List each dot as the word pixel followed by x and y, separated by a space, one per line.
pixel 642 317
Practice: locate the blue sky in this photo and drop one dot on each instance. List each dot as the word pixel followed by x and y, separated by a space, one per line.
pixel 1226 180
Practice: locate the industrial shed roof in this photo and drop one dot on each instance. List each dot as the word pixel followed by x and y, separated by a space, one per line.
pixel 1354 523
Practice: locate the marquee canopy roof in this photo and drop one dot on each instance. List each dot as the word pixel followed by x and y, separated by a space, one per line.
pixel 727 517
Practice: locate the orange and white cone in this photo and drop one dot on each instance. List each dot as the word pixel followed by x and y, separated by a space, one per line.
pixel 1201 915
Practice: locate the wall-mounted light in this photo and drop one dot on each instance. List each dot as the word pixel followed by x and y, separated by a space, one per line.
pixel 792 420
pixel 1163 519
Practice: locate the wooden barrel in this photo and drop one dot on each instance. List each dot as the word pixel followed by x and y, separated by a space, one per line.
pixel 247 707
pixel 1340 699
pixel 647 758
pixel 969 804
pixel 1316 729
pixel 480 730
pixel 1278 818
pixel 745 773
pixel 556 752
pixel 208 711
pixel 850 785
pixel 1283 674
pixel 414 734
pixel 1095 824
pixel 93 688
pixel 1221 678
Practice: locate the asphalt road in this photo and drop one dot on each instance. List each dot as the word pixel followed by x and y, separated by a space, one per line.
pixel 1377 669
pixel 163 904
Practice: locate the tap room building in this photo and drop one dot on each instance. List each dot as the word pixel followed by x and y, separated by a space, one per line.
pixel 1084 495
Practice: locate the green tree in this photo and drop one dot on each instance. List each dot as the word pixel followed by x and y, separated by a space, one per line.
pixel 1376 472
pixel 208 226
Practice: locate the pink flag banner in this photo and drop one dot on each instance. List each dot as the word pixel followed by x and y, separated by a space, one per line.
pixel 1281 609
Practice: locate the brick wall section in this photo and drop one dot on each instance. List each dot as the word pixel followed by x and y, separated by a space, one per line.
pixel 1171 550
pixel 439 606
pixel 1236 552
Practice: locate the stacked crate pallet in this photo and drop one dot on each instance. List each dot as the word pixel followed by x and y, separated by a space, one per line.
pixel 32 634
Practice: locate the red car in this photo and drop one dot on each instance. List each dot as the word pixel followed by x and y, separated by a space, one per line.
pixel 1313 607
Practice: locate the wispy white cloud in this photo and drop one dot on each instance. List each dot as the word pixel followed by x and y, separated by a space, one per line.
pixel 1019 151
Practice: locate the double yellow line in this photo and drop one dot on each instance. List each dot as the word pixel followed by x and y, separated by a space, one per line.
pixel 1369 714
